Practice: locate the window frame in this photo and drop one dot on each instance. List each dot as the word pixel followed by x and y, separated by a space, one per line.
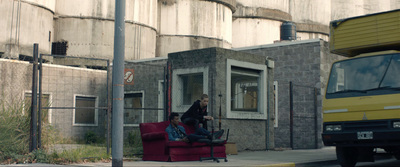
pixel 96 116
pixel 177 86
pixel 262 94
pixel 142 110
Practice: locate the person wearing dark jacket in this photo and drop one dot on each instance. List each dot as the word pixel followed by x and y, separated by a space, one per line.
pixel 197 113
pixel 178 133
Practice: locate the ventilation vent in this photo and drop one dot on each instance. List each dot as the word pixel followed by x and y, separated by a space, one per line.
pixel 59 48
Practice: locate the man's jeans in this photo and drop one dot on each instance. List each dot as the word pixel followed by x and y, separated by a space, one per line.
pixel 200 133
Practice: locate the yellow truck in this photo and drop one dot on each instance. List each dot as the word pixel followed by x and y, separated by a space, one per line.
pixel 361 106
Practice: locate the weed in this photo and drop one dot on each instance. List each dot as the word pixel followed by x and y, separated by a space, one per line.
pixel 90 137
pixel 133 145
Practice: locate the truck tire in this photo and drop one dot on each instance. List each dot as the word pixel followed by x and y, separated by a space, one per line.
pixel 347 156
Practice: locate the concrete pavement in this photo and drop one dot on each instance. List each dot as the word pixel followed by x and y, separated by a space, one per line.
pixel 285 158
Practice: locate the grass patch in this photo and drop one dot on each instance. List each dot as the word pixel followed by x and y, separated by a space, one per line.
pixel 14 141
pixel 14 131
pixel 85 153
pixel 133 146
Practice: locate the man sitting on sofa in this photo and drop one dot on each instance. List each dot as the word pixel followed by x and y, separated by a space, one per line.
pixel 177 132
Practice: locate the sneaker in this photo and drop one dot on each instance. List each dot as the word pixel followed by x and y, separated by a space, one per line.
pixel 218 134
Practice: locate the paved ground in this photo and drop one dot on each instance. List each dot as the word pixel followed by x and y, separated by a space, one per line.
pixel 253 158
pixel 250 159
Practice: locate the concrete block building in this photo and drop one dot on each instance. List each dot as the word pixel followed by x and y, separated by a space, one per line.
pixel 239 86
pixel 306 64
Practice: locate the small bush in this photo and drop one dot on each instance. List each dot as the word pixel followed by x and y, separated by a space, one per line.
pixel 91 137
pixel 40 156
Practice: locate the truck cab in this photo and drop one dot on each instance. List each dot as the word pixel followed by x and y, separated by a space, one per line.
pixel 361 106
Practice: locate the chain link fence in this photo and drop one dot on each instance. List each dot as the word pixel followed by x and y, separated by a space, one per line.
pixel 75 102
pixel 15 89
pixel 56 104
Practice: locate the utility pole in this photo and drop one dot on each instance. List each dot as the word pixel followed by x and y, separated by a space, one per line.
pixel 118 85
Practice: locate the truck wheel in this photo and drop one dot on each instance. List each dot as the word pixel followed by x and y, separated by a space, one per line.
pixel 347 156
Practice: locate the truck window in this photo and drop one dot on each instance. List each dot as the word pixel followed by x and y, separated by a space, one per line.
pixel 392 78
pixel 363 76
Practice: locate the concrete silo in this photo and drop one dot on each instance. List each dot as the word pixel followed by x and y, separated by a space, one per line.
pixel 140 29
pixel 394 4
pixel 344 9
pixel 311 17
pixel 258 22
pixel 24 23
pixel 194 24
pixel 373 6
pixel 88 28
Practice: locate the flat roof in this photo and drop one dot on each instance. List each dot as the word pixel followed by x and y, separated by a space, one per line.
pixel 284 43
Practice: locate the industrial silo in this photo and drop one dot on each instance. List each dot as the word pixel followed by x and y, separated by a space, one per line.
pixel 343 9
pixel 311 17
pixel 394 4
pixel 194 24
pixel 258 22
pixel 140 29
pixel 24 23
pixel 88 28
pixel 373 6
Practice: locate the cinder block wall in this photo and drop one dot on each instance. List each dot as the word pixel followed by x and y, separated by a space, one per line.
pixel 147 76
pixel 307 65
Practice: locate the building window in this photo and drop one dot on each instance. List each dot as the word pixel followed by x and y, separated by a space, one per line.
pixel 192 87
pixel 244 88
pixel 247 90
pixel 188 86
pixel 46 113
pixel 133 112
pixel 85 112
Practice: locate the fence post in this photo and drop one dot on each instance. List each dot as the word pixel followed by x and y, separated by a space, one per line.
pixel 40 103
pixel 34 99
pixel 108 108
pixel 291 112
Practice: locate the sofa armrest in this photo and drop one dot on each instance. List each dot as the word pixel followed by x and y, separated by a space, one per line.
pixel 155 136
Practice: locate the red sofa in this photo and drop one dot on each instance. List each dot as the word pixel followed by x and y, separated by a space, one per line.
pixel 156 146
